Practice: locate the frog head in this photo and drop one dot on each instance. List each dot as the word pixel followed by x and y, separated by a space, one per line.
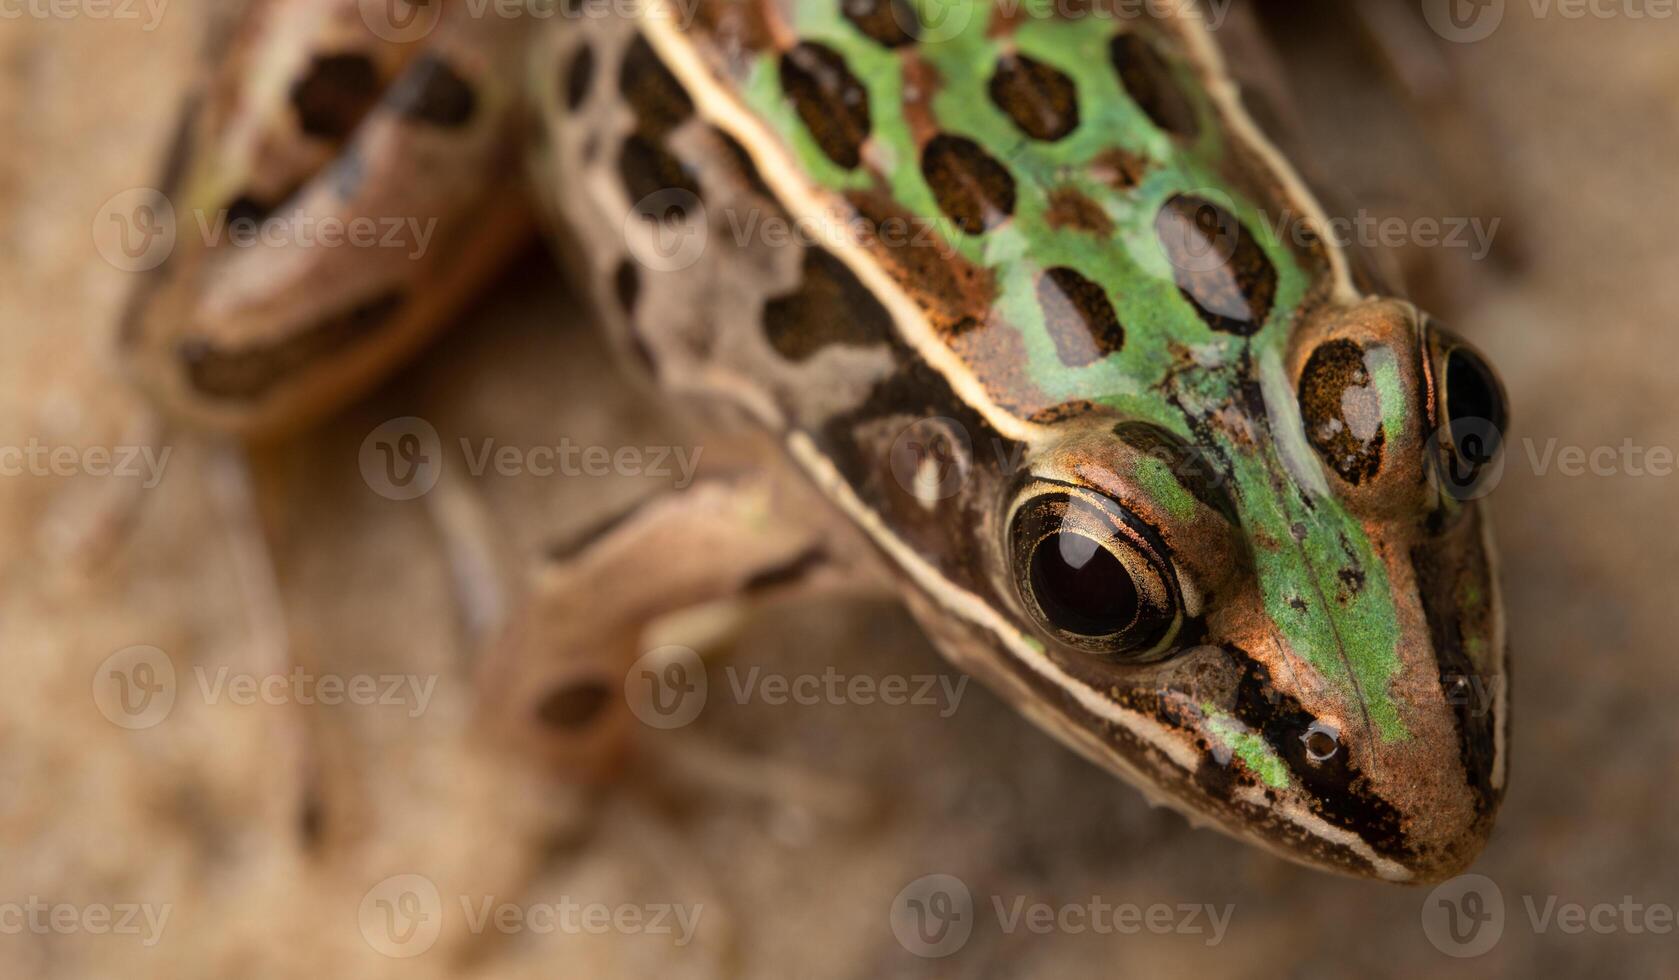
pixel 1278 609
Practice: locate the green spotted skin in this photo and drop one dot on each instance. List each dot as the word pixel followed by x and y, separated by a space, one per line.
pixel 1351 644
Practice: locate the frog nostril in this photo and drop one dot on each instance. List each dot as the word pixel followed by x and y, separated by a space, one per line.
pixel 1322 742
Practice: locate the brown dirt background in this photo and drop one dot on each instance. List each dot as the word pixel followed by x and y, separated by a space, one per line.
pixel 805 823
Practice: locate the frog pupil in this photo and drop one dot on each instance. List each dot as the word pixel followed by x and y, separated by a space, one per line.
pixel 1081 587
pixel 1471 392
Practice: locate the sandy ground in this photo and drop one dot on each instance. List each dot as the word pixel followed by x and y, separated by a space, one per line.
pixel 270 835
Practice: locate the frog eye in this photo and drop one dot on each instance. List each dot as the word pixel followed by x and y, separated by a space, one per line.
pixel 1470 409
pixel 1094 575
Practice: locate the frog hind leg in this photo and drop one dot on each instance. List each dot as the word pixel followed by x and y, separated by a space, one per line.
pixel 337 193
pixel 568 680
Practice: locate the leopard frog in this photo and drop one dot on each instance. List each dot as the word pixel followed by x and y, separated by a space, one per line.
pixel 1002 284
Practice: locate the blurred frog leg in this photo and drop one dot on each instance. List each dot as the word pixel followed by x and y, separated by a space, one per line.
pixel 252 516
pixel 1388 131
pixel 335 200
pixel 554 683
pixel 1420 64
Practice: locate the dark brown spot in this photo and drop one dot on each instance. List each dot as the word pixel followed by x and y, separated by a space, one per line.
pixel 1079 316
pixel 573 707
pixel 430 92
pixel 311 818
pixel 626 285
pixel 579 77
pixel 1069 209
pixel 1118 169
pixel 829 307
pixel 972 189
pixel 1041 100
pixel 887 22
pixel 739 29
pixel 1217 265
pixel 659 100
pixel 334 95
pixel 659 185
pixel 249 372
pixel 247 209
pixel 1149 80
pixel 1342 410
pixel 831 101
